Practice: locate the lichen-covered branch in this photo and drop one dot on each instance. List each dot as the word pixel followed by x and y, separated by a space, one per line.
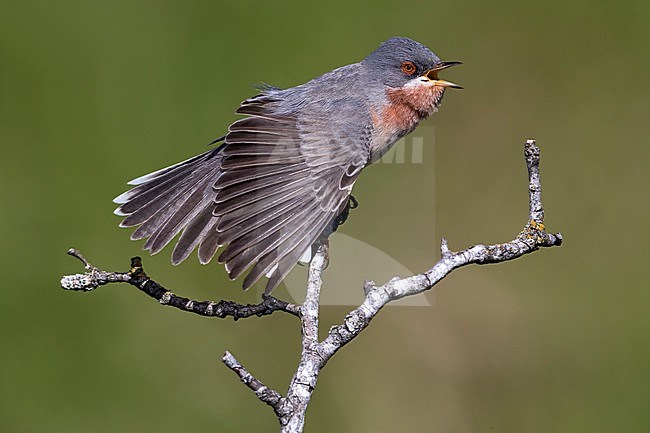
pixel 291 410
pixel 533 237
pixel 303 383
pixel 136 277
pixel 316 355
pixel 264 393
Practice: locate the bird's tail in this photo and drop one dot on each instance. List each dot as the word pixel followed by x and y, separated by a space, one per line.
pixel 176 198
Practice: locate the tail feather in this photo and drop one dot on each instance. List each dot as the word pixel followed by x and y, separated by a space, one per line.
pixel 158 173
pixel 172 199
pixel 154 195
pixel 152 213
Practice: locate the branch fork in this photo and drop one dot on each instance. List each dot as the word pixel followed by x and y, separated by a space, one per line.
pixel 290 409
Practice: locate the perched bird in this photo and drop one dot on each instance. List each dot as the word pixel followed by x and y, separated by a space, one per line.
pixel 285 171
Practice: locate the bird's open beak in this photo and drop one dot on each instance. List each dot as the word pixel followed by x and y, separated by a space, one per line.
pixel 432 75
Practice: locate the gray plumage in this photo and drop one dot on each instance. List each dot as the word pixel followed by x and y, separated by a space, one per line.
pixel 282 175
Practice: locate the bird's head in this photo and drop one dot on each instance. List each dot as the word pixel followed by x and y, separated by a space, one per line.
pixel 409 71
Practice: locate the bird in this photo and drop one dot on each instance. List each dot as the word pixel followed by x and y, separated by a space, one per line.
pixel 284 171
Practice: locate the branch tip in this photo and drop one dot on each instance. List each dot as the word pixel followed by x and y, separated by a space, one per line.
pixel 444 248
pixel 95 277
pixel 264 393
pixel 228 358
pixel 77 254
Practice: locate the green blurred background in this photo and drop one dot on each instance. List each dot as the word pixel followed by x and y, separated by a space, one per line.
pixel 93 94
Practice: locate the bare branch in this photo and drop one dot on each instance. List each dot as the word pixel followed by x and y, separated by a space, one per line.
pixel 93 279
pixel 138 278
pixel 303 383
pixel 316 355
pixel 264 393
pixel 291 409
pixel 532 238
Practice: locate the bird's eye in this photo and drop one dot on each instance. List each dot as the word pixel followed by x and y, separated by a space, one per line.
pixel 408 68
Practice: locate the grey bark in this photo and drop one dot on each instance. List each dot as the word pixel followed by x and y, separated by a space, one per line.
pixel 291 409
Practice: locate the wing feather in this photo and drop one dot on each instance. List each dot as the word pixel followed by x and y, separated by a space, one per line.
pixel 230 229
pixel 265 195
pixel 265 253
pixel 288 252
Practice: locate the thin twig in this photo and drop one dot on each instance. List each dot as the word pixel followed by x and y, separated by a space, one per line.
pixel 264 393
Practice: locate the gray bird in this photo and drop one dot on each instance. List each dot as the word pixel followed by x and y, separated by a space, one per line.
pixel 285 171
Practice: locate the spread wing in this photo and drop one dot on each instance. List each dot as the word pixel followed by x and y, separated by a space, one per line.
pixel 265 195
pixel 285 178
